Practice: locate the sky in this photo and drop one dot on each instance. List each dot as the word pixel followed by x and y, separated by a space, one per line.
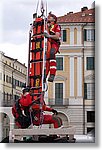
pixel 15 19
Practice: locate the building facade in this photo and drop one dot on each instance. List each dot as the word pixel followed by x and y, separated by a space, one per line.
pixel 12 77
pixel 72 91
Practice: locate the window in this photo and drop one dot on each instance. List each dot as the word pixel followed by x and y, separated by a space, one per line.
pixel 4 77
pixel 21 84
pixel 90 116
pixel 90 63
pixel 4 96
pixel 7 78
pixel 64 35
pixel 59 61
pixel 89 35
pixel 17 82
pixel 14 83
pixel 7 96
pixel 89 90
pixel 91 129
pixel 58 93
pixel 10 81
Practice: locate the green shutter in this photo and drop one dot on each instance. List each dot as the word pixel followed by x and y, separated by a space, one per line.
pixel 64 36
pixel 90 63
pixel 94 34
pixel 85 35
pixel 59 61
pixel 59 93
pixel 85 90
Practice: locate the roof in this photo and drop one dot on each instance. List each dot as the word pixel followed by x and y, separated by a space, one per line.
pixel 84 16
pixel 23 64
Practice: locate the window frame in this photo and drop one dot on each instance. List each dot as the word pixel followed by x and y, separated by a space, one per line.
pixel 63 89
pixel 64 37
pixel 90 119
pixel 60 102
pixel 90 66
pixel 62 62
pixel 88 93
pixel 89 35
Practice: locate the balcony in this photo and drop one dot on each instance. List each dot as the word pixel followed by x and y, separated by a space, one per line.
pixel 58 102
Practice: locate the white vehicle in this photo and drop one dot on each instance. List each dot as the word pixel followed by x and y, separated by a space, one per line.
pixel 89 138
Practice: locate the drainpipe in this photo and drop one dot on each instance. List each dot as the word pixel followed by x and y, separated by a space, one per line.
pixel 83 96
pixel 83 79
pixel 15 60
pixel 3 80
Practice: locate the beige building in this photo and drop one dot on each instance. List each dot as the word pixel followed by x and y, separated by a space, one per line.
pixel 72 91
pixel 12 78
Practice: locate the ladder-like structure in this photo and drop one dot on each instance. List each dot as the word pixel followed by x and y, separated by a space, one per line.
pixel 37 78
pixel 37 58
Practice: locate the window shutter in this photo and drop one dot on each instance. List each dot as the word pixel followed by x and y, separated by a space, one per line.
pixel 85 35
pixel 94 34
pixel 59 93
pixel 90 63
pixel 59 61
pixel 85 90
pixel 64 36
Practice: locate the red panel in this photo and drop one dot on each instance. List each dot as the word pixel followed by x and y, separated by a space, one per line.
pixel 36 67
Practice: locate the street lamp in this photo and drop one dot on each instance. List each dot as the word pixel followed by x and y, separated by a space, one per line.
pixel 15 60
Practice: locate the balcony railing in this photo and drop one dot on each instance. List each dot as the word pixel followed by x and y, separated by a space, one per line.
pixel 58 102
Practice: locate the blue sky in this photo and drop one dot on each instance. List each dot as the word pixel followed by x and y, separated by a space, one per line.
pixel 16 17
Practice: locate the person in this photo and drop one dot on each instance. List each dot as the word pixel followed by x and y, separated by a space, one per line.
pixel 53 33
pixel 21 115
pixel 36 116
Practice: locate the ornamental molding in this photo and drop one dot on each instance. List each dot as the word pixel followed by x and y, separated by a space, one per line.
pixel 60 78
pixel 90 77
